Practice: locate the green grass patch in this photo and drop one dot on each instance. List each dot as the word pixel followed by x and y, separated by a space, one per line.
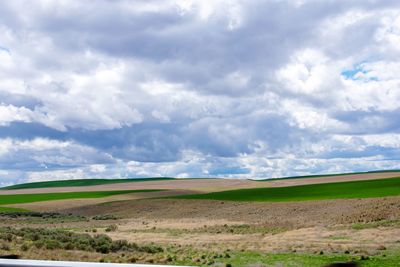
pixel 29 198
pixel 339 237
pixel 81 182
pixel 309 260
pixel 344 190
pixel 11 210
pixel 376 224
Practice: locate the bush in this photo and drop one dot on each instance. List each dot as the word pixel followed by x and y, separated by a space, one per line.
pixel 38 244
pixel 105 217
pixel 61 239
pixel 6 237
pixel 111 228
pixel 25 247
pixel 151 249
pixel 5 246
pixel 119 245
pixel 104 248
pixel 52 244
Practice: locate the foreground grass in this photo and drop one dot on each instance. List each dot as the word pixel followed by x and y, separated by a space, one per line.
pixel 80 182
pixel 57 244
pixel 310 260
pixel 29 198
pixel 344 190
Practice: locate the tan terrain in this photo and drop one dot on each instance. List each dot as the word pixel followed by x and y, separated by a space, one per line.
pixel 332 179
pixel 329 225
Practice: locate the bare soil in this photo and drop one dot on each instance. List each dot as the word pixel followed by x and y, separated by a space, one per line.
pixel 287 214
pixel 59 205
pixel 280 227
pixel 332 179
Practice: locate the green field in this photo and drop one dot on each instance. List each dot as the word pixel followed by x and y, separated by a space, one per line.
pixel 80 182
pixel 357 189
pixel 7 209
pixel 29 198
pixel 325 175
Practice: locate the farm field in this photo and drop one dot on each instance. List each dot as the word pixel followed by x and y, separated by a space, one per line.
pixel 357 189
pixel 199 185
pixel 29 198
pixel 80 182
pixel 209 222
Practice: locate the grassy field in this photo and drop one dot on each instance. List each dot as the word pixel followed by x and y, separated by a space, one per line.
pixel 80 182
pixel 29 198
pixel 325 175
pixel 357 189
pixel 7 209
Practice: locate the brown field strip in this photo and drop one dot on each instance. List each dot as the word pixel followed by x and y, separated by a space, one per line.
pixel 332 179
pixel 58 205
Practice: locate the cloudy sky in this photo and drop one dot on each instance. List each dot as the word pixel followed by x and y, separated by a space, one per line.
pixel 250 88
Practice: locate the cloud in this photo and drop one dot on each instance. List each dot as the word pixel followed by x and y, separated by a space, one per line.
pixel 197 88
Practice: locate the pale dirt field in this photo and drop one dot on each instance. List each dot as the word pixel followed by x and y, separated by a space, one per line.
pixel 59 205
pixel 206 185
pixel 332 179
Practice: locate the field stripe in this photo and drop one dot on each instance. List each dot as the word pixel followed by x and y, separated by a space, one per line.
pixel 81 182
pixel 29 198
pixel 341 190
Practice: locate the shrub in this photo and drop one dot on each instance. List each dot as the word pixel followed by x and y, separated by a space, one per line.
pixel 105 217
pixel 5 246
pixel 38 244
pixel 119 245
pixel 111 228
pixel 6 237
pixel 151 249
pixel 61 239
pixel 52 244
pixel 25 247
pixel 104 248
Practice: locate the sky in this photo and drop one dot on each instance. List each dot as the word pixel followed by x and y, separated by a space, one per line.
pixel 208 88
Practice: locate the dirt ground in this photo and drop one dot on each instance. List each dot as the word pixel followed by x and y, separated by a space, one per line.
pixel 332 179
pixel 59 205
pixel 279 214
pixel 329 225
